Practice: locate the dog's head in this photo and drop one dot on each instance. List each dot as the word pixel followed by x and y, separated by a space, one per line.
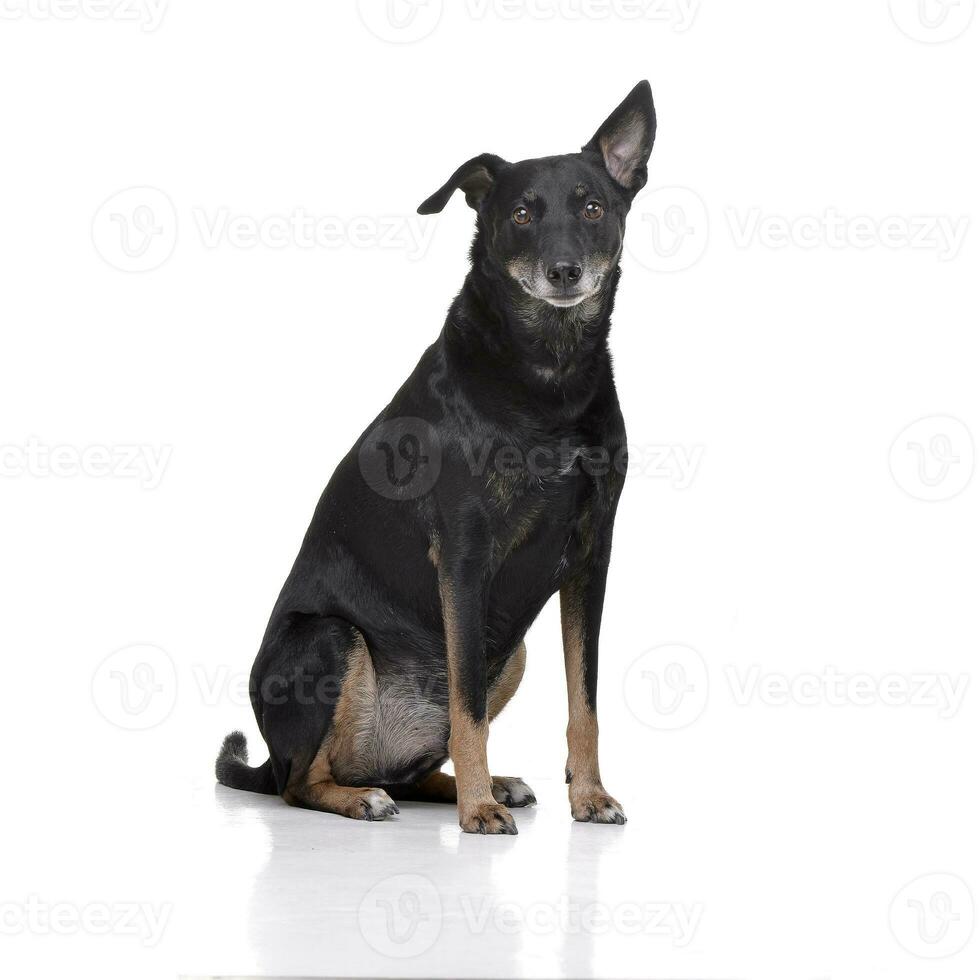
pixel 555 225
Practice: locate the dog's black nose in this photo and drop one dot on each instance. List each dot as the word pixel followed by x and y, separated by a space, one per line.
pixel 564 274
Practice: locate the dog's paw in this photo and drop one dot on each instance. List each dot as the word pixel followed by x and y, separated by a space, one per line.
pixel 486 818
pixel 596 806
pixel 513 792
pixel 374 804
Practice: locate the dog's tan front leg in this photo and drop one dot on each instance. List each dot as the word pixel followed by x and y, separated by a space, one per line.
pixel 463 615
pixel 581 611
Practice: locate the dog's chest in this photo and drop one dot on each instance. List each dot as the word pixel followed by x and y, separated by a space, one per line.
pixel 545 503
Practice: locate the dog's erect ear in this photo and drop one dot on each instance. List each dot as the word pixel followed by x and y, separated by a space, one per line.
pixel 474 178
pixel 625 139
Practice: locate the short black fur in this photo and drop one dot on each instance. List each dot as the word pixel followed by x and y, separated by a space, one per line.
pixel 497 468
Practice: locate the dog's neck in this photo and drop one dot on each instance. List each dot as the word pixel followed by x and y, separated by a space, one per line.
pixel 495 329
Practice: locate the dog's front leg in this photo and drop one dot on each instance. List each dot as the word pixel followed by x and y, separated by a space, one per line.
pixel 463 588
pixel 581 615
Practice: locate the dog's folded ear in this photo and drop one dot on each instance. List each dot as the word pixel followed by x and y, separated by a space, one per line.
pixel 474 178
pixel 625 139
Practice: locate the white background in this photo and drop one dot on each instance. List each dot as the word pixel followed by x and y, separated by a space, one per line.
pixel 803 538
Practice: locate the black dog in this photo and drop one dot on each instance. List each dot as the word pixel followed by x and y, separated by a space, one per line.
pixel 488 484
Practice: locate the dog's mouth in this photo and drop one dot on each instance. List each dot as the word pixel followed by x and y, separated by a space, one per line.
pixel 561 298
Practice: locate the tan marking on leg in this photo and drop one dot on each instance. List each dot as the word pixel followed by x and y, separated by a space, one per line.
pixel 355 712
pixel 438 787
pixel 434 548
pixel 315 788
pixel 583 729
pixel 478 811
pixel 507 683
pixel 586 793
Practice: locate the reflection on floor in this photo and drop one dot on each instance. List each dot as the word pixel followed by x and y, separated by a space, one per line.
pixel 277 891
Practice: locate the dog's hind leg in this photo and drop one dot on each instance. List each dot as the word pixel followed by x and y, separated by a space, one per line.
pixel 316 790
pixel 308 689
pixel 440 787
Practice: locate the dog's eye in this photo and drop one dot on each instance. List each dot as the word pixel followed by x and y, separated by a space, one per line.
pixel 593 210
pixel 521 215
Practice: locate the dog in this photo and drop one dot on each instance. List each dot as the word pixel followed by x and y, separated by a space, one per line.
pixel 488 484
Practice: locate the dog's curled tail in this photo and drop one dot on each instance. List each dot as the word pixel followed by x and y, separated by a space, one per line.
pixel 232 769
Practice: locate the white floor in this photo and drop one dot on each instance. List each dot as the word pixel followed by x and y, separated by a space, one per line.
pixel 286 892
pixel 797 887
